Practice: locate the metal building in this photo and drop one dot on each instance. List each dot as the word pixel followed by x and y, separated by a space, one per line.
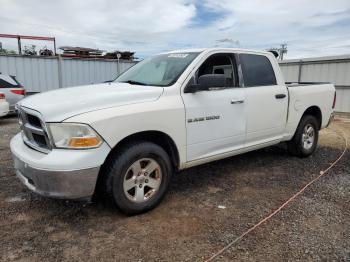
pixel 333 69
pixel 39 74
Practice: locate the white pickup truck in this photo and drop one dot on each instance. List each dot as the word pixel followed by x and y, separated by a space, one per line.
pixel 169 112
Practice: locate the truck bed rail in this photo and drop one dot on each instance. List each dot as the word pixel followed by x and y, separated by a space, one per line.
pixel 305 83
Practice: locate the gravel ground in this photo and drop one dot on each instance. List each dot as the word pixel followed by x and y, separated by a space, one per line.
pixel 188 225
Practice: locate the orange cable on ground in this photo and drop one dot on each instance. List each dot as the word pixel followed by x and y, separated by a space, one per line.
pixel 281 207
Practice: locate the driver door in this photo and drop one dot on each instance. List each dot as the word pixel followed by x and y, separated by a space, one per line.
pixel 215 119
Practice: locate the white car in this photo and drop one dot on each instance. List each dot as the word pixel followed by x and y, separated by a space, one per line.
pixel 4 105
pixel 12 89
pixel 169 112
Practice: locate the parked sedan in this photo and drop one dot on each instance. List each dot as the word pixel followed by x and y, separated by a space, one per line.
pixel 12 89
pixel 4 105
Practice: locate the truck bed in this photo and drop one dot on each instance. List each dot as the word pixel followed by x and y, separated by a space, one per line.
pixel 291 84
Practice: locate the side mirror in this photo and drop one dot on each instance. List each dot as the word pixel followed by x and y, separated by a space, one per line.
pixel 205 82
pixel 191 88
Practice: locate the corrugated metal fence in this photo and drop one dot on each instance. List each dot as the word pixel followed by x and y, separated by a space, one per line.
pixel 335 70
pixel 39 74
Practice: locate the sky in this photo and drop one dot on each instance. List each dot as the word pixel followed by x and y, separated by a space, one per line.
pixel 309 28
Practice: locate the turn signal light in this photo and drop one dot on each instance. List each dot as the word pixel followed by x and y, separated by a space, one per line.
pixel 81 142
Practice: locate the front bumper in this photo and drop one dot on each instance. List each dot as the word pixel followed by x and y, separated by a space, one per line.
pixel 12 108
pixel 4 108
pixel 66 174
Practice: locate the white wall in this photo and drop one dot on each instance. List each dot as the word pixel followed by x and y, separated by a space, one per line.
pixel 343 100
pixel 39 74
pixel 335 69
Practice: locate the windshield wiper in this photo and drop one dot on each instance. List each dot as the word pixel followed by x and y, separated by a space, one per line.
pixel 132 82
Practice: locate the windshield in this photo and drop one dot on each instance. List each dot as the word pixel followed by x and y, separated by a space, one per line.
pixel 160 70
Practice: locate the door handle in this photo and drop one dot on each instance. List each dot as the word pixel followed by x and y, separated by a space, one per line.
pixel 280 96
pixel 234 102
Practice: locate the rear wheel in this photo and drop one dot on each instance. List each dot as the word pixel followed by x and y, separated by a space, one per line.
pixel 138 177
pixel 305 139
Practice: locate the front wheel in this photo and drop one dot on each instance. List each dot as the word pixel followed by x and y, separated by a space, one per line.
pixel 305 139
pixel 138 177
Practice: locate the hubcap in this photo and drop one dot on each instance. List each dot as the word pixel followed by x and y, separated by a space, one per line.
pixel 308 137
pixel 142 180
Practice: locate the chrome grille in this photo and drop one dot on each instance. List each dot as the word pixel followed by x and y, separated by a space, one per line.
pixel 34 132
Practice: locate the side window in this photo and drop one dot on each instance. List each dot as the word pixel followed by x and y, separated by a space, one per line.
pixel 257 70
pixel 219 64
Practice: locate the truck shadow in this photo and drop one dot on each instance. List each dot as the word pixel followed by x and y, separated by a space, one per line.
pixel 265 167
pixel 8 119
pixel 269 167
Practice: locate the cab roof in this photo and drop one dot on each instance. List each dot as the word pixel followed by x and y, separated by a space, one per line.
pixel 218 49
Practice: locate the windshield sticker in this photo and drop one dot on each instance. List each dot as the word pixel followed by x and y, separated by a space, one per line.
pixel 178 55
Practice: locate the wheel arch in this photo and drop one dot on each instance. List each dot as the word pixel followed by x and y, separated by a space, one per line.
pixel 158 137
pixel 314 111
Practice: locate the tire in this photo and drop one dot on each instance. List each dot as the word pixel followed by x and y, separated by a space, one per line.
pixel 304 141
pixel 130 181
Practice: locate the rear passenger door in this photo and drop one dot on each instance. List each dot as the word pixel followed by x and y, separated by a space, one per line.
pixel 266 100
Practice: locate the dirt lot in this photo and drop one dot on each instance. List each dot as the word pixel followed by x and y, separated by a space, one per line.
pixel 188 225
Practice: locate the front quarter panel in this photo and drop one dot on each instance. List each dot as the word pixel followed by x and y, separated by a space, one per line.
pixel 166 115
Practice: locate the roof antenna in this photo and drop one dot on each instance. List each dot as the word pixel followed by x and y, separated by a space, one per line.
pixel 275 53
pixel 279 52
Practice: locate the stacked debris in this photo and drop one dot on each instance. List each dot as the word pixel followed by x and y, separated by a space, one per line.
pixel 123 55
pixel 81 52
pixel 45 51
pixel 30 50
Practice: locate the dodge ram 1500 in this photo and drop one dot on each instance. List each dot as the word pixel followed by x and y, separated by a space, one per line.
pixel 168 112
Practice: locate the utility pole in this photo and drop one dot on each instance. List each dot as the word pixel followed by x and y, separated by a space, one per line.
pixel 119 55
pixel 19 45
pixel 283 50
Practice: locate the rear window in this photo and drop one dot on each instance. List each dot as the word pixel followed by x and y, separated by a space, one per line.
pixel 257 70
pixel 7 81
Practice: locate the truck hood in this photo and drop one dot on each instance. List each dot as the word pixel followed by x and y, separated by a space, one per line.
pixel 60 104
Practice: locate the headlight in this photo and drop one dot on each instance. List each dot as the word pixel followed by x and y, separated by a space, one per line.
pixel 70 135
